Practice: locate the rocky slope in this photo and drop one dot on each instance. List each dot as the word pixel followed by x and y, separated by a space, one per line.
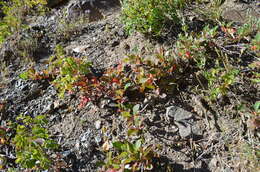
pixel 192 135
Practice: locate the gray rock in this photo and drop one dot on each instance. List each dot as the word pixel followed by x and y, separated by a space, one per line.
pixel 177 113
pixel 184 120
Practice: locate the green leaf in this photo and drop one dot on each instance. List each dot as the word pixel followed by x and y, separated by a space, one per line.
pixel 116 166
pixel 24 75
pixel 138 145
pixel 18 160
pixel 136 109
pixel 127 86
pixel 30 163
pixel 130 147
pixel 129 160
pixel 118 145
pixel 255 80
pixel 123 155
pixel 257 106
pixel 149 86
pixel 134 131
pixel 126 114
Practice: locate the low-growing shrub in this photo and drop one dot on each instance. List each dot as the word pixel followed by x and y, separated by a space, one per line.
pixel 14 15
pixel 32 143
pixel 67 70
pixel 149 16
pixel 129 157
pixel 219 81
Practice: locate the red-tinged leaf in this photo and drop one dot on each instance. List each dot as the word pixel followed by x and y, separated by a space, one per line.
pixel 142 88
pixel 119 67
pixel 84 100
pixel 151 76
pixel 254 48
pixel 70 92
pixel 94 80
pixel 223 29
pixel 81 84
pixel 149 81
pixel 231 30
pixel 174 67
pixel 188 54
pixel 115 80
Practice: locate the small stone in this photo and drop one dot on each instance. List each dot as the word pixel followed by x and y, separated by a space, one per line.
pixel 86 144
pixel 56 104
pixel 98 125
pixel 98 139
pixel 65 153
pixel 79 49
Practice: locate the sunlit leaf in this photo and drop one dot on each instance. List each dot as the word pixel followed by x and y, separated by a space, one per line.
pixel 136 109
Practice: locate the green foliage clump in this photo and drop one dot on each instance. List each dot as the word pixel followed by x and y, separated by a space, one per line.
pixel 15 12
pixel 67 70
pixel 219 80
pixel 32 143
pixel 149 16
pixel 130 157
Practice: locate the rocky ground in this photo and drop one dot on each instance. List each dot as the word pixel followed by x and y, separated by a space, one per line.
pixel 193 135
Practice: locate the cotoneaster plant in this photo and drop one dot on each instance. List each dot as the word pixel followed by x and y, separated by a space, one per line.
pixel 129 156
pixel 33 143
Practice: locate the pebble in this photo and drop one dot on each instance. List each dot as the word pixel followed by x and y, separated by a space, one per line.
pixel 98 124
